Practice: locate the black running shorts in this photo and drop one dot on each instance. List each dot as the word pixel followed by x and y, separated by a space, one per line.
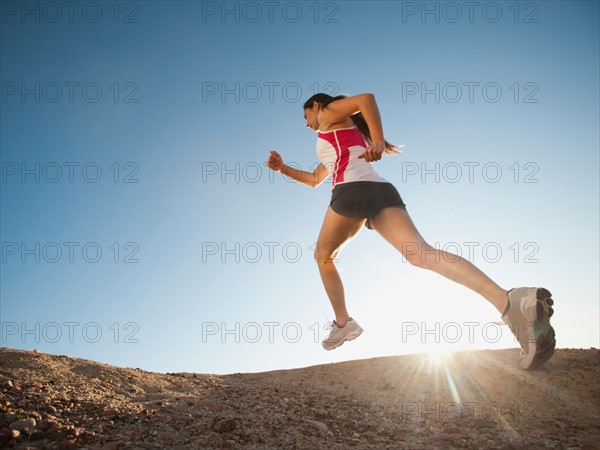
pixel 364 199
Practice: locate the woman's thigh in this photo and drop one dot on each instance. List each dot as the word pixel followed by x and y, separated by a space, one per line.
pixel 396 226
pixel 336 231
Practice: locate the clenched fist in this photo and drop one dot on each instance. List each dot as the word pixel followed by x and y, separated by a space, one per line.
pixel 275 162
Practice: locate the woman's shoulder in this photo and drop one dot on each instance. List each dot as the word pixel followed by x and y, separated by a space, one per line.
pixel 325 127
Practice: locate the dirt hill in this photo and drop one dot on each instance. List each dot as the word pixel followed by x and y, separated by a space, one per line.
pixel 476 399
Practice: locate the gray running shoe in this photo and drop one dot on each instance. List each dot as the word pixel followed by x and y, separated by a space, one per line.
pixel 338 335
pixel 529 319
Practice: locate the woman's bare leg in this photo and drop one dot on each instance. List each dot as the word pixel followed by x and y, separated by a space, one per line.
pixel 336 231
pixel 396 226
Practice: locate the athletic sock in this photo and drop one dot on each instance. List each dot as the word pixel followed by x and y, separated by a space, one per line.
pixel 344 325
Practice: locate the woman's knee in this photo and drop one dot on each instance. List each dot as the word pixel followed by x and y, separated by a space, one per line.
pixel 325 254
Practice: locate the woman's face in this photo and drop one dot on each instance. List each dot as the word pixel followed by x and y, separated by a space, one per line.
pixel 311 117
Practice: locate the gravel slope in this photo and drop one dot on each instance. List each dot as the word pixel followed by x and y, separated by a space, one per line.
pixel 478 399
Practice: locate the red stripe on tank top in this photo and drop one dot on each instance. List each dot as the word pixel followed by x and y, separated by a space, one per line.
pixel 338 152
pixel 343 159
pixel 329 137
pixel 349 138
pixel 341 141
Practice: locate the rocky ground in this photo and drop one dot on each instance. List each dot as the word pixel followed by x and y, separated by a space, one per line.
pixel 473 400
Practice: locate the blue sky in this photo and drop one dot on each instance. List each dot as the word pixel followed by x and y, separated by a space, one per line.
pixel 205 259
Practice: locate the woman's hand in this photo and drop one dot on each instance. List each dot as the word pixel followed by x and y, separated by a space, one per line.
pixel 275 162
pixel 373 152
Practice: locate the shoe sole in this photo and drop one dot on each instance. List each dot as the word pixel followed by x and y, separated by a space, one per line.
pixel 545 338
pixel 350 337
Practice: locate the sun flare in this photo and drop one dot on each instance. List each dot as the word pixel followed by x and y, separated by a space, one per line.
pixel 438 355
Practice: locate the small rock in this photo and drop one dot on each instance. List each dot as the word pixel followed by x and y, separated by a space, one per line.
pixel 318 425
pixel 110 412
pixel 213 406
pixel 484 423
pixel 50 409
pixel 212 440
pixel 36 436
pixel 22 424
pixel 222 425
pixel 321 412
pixel 13 434
pixel 75 432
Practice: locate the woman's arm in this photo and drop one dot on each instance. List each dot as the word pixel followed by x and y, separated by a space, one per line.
pixel 312 179
pixel 343 108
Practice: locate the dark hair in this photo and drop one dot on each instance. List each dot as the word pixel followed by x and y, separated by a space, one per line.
pixel 359 121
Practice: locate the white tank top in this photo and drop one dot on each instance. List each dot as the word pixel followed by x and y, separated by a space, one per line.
pixel 338 151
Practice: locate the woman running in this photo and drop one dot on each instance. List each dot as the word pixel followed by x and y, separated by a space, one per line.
pixel 349 138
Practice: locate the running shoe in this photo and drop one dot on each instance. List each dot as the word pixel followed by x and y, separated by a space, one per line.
pixel 528 317
pixel 338 335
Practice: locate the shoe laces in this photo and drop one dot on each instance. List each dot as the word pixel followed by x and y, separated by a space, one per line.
pixel 333 326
